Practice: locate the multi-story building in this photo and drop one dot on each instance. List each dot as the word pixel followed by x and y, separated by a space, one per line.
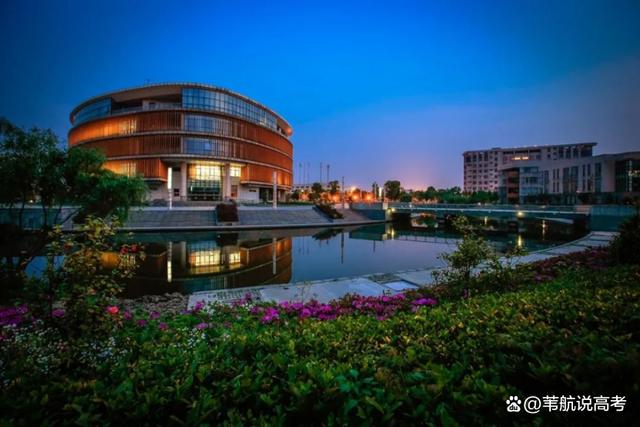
pixel 593 179
pixel 482 167
pixel 215 143
pixel 564 173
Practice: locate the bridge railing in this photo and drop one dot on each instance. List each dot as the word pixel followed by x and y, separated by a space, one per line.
pixel 583 209
pixel 439 206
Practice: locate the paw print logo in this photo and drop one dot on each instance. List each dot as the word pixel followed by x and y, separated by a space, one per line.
pixel 513 404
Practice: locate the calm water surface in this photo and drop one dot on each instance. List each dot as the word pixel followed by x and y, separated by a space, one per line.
pixel 196 261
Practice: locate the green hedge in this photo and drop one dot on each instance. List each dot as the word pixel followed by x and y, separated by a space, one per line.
pixel 454 363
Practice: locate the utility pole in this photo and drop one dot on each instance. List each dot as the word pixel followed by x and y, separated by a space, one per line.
pixel 328 179
pixel 343 193
pixel 321 172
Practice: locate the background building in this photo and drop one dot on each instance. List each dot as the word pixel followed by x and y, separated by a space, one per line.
pixel 216 143
pixel 605 178
pixel 565 173
pixel 482 167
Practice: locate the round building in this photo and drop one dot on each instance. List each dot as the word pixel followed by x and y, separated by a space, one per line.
pixel 215 143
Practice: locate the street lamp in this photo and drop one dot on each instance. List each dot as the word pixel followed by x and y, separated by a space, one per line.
pixel 170 186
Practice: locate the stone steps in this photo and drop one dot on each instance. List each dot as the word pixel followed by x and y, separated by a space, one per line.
pixel 281 217
pixel 170 218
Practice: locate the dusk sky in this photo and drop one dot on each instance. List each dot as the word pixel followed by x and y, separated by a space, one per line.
pixel 396 90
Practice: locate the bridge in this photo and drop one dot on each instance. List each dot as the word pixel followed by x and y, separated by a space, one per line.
pixel 598 217
pixel 505 212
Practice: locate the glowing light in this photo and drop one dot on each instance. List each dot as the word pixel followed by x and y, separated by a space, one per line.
pixel 199 258
pixel 520 214
pixel 520 241
pixel 234 257
pixel 169 178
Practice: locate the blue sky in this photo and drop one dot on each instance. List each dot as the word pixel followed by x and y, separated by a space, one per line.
pixel 389 90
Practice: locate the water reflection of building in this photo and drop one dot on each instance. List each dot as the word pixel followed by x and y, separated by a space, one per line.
pixel 191 266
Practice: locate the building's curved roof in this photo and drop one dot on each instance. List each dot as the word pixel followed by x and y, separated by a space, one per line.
pixel 156 89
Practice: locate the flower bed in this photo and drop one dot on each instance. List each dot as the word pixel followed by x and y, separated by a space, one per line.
pixel 395 359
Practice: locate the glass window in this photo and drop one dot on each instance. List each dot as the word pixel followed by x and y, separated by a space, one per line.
pixel 94 110
pixel 205 182
pixel 203 99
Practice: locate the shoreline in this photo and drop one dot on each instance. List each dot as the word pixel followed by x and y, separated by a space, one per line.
pixel 325 290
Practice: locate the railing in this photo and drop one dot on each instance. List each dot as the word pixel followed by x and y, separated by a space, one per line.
pixel 452 206
pixel 443 206
pixel 157 106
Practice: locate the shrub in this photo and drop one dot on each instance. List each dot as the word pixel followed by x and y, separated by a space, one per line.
pixel 329 211
pixel 89 277
pixel 472 252
pixel 227 212
pixel 625 248
pixel 448 364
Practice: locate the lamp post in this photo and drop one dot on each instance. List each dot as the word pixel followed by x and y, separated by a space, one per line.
pixel 170 186
pixel 275 190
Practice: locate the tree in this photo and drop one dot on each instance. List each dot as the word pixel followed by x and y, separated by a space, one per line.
pixel 316 191
pixel 26 160
pixel 334 187
pixel 392 189
pixel 405 197
pixel 375 189
pixel 33 168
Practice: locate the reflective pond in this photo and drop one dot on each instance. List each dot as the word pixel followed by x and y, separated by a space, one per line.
pixel 197 261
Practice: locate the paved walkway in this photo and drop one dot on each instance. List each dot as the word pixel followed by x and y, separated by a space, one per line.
pixel 377 284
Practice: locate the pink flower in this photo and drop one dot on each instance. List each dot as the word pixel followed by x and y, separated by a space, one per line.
pixel 270 314
pixel 425 301
pixel 154 315
pixel 127 315
pixel 199 306
pixel 305 313
pixel 141 323
pixel 112 309
pixel 57 313
pixel 202 326
pixel 163 326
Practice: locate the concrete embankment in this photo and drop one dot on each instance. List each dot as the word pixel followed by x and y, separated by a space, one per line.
pixel 196 218
pixel 377 284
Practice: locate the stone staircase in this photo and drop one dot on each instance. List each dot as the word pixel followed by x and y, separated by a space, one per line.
pixel 281 217
pixel 170 218
pixel 349 215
